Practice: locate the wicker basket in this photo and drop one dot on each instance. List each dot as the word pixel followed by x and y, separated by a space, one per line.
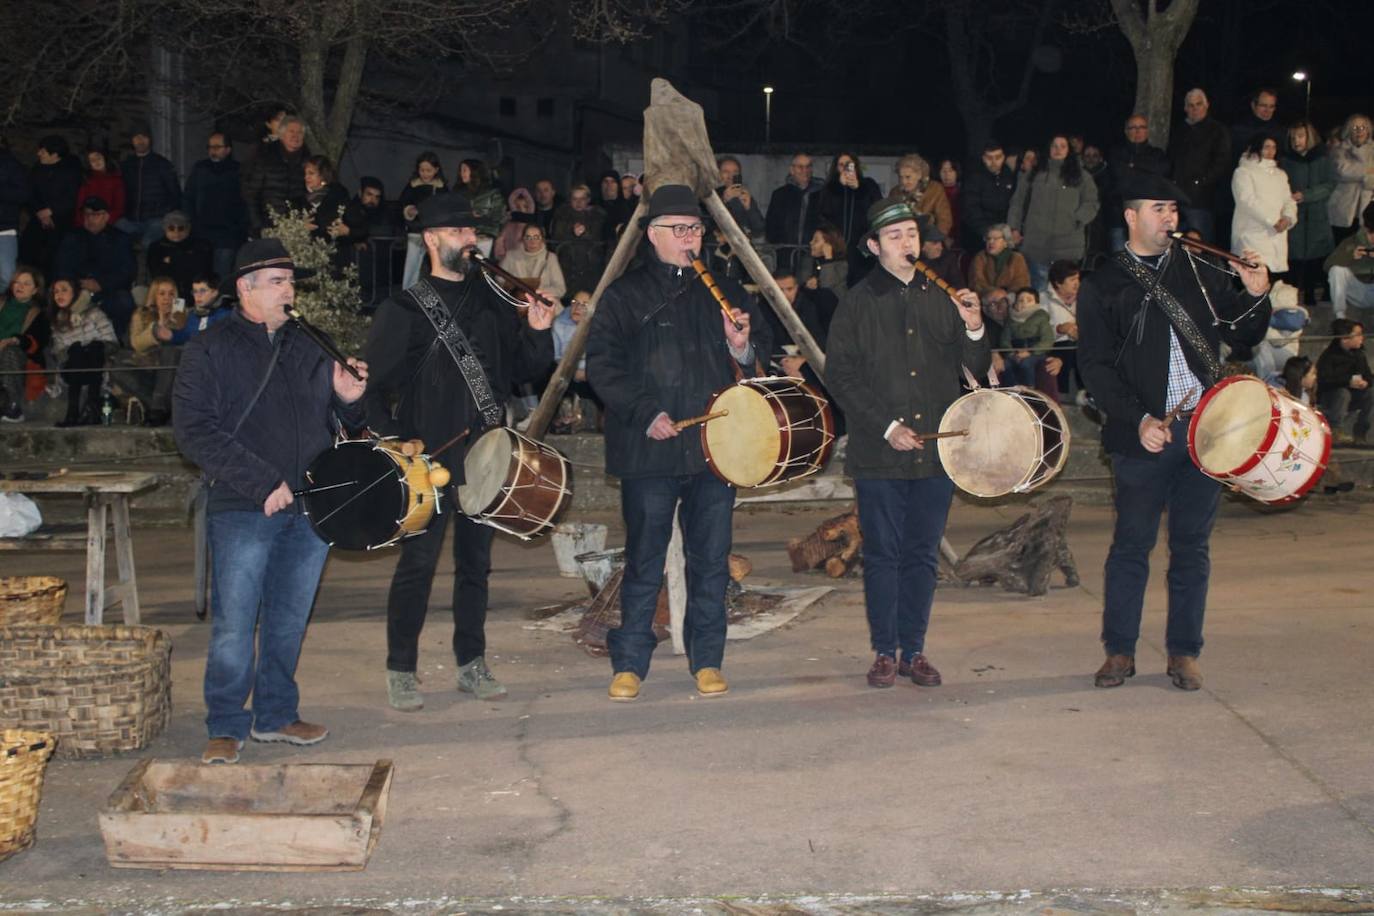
pixel 23 758
pixel 99 690
pixel 31 600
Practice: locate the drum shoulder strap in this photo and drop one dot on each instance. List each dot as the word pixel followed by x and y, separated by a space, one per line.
pixel 1188 331
pixel 456 342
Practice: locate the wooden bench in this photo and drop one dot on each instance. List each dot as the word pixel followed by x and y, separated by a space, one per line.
pixel 106 495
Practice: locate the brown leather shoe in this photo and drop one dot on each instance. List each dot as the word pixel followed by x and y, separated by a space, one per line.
pixel 922 672
pixel 884 672
pixel 221 750
pixel 301 734
pixel 1114 671
pixel 1185 672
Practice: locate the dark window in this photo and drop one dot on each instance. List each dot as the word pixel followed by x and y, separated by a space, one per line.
pixel 507 106
pixel 544 108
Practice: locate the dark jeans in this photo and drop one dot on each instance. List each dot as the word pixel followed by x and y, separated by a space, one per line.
pixel 1144 488
pixel 1339 401
pixel 89 357
pixel 902 522
pixel 408 601
pixel 265 573
pixel 647 505
pixel 1201 219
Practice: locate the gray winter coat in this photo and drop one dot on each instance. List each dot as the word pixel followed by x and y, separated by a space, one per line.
pixel 1052 216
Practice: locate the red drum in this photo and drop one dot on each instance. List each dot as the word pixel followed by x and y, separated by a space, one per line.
pixel 776 430
pixel 1259 439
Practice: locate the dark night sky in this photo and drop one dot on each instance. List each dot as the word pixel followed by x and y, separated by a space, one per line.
pixel 896 94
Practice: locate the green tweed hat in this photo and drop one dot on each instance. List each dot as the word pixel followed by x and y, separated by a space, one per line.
pixel 884 213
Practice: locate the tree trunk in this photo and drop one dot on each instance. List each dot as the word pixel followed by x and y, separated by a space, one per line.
pixel 1155 38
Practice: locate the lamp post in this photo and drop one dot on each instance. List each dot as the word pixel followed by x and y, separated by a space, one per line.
pixel 1302 77
pixel 767 114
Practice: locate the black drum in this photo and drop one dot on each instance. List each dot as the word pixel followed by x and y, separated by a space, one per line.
pixel 367 494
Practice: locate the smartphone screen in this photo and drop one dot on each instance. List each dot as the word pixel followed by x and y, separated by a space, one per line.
pixel 179 304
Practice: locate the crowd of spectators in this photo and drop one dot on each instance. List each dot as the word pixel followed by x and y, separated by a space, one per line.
pixel 133 256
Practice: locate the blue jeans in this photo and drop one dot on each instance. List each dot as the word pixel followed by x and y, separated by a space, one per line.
pixel 1039 275
pixel 1144 487
pixel 1020 371
pixel 902 522
pixel 1201 219
pixel 9 256
pixel 224 261
pixel 146 231
pixel 647 505
pixel 265 574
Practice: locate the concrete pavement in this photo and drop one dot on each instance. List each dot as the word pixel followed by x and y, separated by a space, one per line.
pixel 803 790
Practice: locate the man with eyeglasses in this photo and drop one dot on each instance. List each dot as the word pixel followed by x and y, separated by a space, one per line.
pixel 792 215
pixel 659 348
pixel 1137 153
pixel 179 255
pixel 214 202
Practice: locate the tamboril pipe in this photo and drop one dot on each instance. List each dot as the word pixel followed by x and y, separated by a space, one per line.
pixel 1212 249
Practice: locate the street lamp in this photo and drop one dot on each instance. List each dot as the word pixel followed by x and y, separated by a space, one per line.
pixel 767 114
pixel 1302 77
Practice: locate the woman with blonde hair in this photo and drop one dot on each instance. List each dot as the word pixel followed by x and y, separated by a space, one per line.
pixel 149 372
pixel 1311 181
pixel 1353 163
pixel 925 196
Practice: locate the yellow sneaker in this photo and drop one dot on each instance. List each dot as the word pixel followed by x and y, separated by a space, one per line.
pixel 625 687
pixel 711 683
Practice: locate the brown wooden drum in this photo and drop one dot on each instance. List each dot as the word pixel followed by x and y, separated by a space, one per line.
pixel 514 484
pixel 777 429
pixel 1017 440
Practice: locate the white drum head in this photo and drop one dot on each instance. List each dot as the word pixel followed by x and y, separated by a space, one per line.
pixel 485 468
pixel 743 446
pixel 1002 448
pixel 1232 425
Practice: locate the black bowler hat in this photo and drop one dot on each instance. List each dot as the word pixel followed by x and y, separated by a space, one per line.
pixel 671 200
pixel 1138 184
pixel 261 254
pixel 446 211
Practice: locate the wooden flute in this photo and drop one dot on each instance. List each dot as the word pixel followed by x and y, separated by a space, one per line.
pixel 710 282
pixel 1212 249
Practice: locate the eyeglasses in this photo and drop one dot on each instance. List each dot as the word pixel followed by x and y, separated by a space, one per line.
pixel 178 228
pixel 682 230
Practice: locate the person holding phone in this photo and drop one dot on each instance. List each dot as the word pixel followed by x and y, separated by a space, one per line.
pixel 844 204
pixel 1350 268
pixel 738 200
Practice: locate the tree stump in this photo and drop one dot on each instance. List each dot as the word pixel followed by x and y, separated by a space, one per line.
pixel 1022 557
pixel 836 544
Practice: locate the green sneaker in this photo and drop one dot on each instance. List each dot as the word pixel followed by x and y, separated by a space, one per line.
pixel 403 691
pixel 476 678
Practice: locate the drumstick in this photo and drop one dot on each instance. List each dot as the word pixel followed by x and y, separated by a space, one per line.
pixel 949 435
pixel 1178 408
pixel 310 491
pixel 454 441
pixel 680 425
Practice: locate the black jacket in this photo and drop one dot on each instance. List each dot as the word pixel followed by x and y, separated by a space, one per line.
pixel 983 201
pixel 1337 365
pixel 337 205
pixel 792 216
pixel 55 188
pixel 894 354
pixel 1123 348
pixel 14 190
pixel 657 345
pixel 275 179
pixel 151 188
pixel 214 203
pixel 288 426
pixel 1124 159
pixel 1201 157
pixel 106 257
pixel 414 388
pixel 181 262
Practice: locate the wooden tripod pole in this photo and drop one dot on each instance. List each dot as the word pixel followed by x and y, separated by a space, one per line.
pixel 739 242
pixel 567 366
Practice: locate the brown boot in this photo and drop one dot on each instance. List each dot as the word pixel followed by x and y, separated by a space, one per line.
pixel 1185 672
pixel 1114 671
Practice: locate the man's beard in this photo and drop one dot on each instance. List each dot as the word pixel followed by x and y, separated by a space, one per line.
pixel 456 259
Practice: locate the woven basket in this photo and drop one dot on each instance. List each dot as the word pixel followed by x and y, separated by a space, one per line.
pixel 99 690
pixel 31 600
pixel 23 758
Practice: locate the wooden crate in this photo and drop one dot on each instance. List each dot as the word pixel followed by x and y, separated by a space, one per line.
pixel 295 817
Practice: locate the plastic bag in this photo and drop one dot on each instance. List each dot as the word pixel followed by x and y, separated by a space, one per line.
pixel 19 515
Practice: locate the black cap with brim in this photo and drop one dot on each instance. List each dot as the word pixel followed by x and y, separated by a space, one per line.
pixel 446 211
pixel 95 203
pixel 671 200
pixel 929 231
pixel 886 213
pixel 261 254
pixel 1137 184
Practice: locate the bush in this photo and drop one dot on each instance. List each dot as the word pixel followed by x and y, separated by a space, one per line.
pixel 329 300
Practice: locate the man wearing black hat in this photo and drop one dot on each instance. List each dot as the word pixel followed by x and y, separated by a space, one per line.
pixel 1151 322
pixel 896 345
pixel 420 389
pixel 255 401
pixel 101 258
pixel 659 349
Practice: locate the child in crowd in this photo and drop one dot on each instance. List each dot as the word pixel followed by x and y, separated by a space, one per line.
pixel 1030 337
pixel 1343 379
pixel 1299 378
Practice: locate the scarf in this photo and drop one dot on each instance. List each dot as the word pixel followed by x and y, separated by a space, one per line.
pixel 12 317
